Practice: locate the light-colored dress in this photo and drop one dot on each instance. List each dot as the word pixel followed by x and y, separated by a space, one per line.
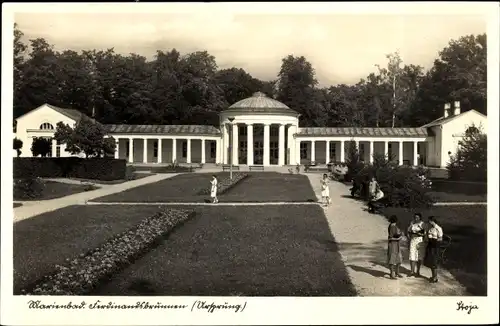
pixel 213 189
pixel 325 190
pixel 416 231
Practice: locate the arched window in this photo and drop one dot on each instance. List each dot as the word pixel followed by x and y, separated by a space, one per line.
pixel 46 126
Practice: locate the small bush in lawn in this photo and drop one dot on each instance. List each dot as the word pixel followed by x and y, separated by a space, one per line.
pixel 29 188
pixel 402 186
pixel 17 145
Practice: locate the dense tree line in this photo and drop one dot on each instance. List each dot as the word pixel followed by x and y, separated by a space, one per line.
pixel 176 88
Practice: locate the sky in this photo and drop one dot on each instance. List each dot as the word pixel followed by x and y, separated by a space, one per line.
pixel 341 47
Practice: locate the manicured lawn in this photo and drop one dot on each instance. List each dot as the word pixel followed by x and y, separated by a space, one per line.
pixel 54 190
pixel 248 251
pixel 258 187
pixel 466 257
pixel 454 191
pixel 272 187
pixel 48 239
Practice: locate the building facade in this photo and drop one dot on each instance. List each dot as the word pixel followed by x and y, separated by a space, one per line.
pixel 262 131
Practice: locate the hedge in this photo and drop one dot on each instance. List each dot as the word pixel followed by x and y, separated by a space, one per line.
pixel 105 169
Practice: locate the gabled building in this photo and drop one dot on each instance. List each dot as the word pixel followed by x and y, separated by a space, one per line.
pixel 262 131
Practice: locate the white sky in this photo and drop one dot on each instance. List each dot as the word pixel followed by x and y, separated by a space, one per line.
pixel 341 47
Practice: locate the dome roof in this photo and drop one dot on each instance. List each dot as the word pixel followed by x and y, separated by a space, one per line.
pixel 260 103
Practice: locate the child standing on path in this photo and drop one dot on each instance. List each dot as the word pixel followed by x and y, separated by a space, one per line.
pixel 325 190
pixel 213 189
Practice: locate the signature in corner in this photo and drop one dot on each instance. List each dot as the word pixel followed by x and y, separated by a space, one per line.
pixel 463 307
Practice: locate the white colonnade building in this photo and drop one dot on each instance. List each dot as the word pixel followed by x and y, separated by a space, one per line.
pixel 262 131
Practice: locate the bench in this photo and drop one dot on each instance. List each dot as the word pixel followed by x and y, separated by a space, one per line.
pixel 318 169
pixel 256 167
pixel 227 167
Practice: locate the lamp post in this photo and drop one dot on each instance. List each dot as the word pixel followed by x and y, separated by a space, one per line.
pixel 231 119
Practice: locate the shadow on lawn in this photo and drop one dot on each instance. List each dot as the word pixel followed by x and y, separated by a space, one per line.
pixel 250 251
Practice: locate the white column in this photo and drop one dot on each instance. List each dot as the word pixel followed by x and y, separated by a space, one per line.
pixel 313 151
pixel 117 148
pixel 159 149
pixel 386 150
pixel 415 153
pixel 145 150
pixel 327 150
pixel 342 151
pixel 188 150
pixel 297 151
pixel 218 151
pixel 266 145
pixel 249 144
pixel 281 144
pixel 174 150
pixel 371 151
pixel 53 147
pixel 291 146
pixel 131 150
pixel 203 151
pixel 224 150
pixel 400 153
pixel 235 149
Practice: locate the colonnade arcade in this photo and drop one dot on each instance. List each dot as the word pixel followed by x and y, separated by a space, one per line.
pixel 331 150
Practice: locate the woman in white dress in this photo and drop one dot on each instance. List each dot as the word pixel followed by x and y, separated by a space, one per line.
pixel 213 189
pixel 416 233
pixel 325 190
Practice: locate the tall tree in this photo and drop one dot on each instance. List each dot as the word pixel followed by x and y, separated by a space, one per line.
pixel 459 74
pixel 296 82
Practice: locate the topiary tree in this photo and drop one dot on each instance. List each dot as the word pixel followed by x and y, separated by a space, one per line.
pixel 471 159
pixel 86 137
pixel 41 146
pixel 18 144
pixel 353 160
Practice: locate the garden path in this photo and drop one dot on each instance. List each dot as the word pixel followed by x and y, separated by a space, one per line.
pixel 361 238
pixel 33 208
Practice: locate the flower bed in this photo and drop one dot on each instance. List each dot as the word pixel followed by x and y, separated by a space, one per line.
pixel 226 183
pixel 85 272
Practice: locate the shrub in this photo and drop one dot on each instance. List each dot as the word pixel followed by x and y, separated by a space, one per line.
pixel 41 146
pixel 402 185
pixel 18 144
pixel 471 159
pixel 28 188
pixel 105 169
pixel 82 274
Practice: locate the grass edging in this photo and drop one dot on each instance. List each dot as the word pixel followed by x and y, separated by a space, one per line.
pixel 225 184
pixel 84 273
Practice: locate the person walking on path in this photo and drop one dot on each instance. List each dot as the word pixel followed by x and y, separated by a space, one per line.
pixel 325 190
pixel 213 189
pixel 394 257
pixel 416 233
pixel 435 236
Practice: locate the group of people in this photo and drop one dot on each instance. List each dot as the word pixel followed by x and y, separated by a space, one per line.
pixel 425 240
